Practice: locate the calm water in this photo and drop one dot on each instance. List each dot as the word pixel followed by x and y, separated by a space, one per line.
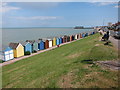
pixel 23 34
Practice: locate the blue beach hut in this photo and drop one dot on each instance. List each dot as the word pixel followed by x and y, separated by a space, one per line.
pixel 68 38
pixel 92 33
pixel 73 37
pixel 57 41
pixel 83 35
pixel 41 45
pixel 8 54
pixel 61 40
pixel 86 34
pixel 27 46
pixel 34 45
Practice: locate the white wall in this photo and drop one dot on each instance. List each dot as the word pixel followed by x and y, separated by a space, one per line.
pixel 8 55
pixel 76 36
pixel 50 43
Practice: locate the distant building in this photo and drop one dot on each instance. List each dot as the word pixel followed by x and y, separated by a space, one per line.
pixel 109 24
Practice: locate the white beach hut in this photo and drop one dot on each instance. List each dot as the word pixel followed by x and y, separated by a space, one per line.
pixel 8 54
pixel 76 37
pixel 50 43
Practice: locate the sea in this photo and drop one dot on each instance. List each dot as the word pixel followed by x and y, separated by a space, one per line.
pixel 23 34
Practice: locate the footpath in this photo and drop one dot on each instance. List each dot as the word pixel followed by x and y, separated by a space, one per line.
pixel 115 42
pixel 113 64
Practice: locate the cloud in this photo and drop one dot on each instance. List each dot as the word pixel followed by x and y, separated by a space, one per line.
pixel 103 3
pixel 36 0
pixel 36 18
pixel 61 0
pixel 117 6
pixel 7 8
pixel 109 1
pixel 36 5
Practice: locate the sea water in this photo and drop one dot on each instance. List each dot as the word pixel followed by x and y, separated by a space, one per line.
pixel 23 34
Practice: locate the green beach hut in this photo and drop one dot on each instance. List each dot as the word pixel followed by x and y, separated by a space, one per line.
pixel 34 45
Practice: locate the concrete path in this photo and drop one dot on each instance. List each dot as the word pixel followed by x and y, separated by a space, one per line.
pixel 23 57
pixel 114 65
pixel 115 42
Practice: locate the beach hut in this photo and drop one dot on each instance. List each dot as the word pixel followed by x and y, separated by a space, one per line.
pixel 89 34
pixel 54 41
pixel 61 40
pixel 83 35
pixel 41 44
pixel 50 43
pixel 27 46
pixel 71 38
pixel 80 35
pixel 64 39
pixel 93 32
pixel 86 34
pixel 68 38
pixel 57 41
pixel 46 44
pixel 34 45
pixel 18 49
pixel 76 37
pixel 8 54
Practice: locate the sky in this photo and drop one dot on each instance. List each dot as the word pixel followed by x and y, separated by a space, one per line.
pixel 58 14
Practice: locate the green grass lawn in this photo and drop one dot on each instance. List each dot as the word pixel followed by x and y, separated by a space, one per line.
pixel 1 61
pixel 62 67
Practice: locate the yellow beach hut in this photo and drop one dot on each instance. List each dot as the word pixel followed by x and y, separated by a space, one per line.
pixel 54 41
pixel 18 49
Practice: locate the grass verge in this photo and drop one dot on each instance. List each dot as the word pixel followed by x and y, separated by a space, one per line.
pixel 62 67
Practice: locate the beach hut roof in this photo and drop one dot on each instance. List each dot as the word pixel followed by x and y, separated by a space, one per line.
pixel 13 45
pixel 24 43
pixel 39 40
pixel 44 39
pixel 65 36
pixel 7 49
pixel 32 41
pixel 49 39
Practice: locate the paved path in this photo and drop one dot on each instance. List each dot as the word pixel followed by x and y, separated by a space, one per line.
pixel 114 65
pixel 23 57
pixel 115 42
